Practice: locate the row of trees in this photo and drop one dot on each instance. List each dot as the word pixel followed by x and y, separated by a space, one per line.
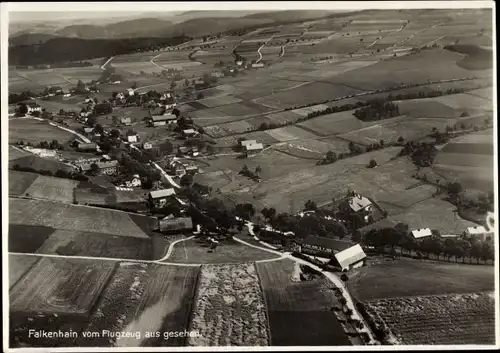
pixel 421 153
pixel 398 237
pixel 245 171
pixel 377 110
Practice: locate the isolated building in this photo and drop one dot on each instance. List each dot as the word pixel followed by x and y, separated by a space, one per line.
pixel 162 120
pixel 147 145
pixel 421 233
pixel 33 107
pixel 130 91
pixel 244 143
pixel 159 198
pixel 350 258
pixel 358 203
pixel 253 149
pixel 176 225
pixel 132 138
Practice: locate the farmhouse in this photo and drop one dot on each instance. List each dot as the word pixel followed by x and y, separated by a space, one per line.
pixel 87 147
pixel 88 130
pixel 33 107
pixel 126 121
pixel 358 203
pixel 176 225
pixel 161 120
pixel 314 245
pixel 103 167
pixel 244 143
pixel 159 198
pixel 147 145
pixel 136 181
pixel 476 232
pixel 253 149
pixel 349 258
pixel 130 91
pixel 191 169
pixel 421 233
pixel 189 133
pixel 183 150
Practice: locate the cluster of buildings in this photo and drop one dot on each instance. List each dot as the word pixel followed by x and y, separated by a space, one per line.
pixel 180 168
pixel 476 232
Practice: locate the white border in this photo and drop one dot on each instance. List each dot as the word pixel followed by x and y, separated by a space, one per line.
pixel 199 6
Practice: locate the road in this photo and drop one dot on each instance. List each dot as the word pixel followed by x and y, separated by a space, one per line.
pixel 103 67
pixel 262 46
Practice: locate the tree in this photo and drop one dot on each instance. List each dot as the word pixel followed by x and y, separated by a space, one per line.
pixel 186 180
pixel 331 157
pixel 372 164
pixel 454 188
pixel 23 109
pixel 186 82
pixel 268 213
pixel 166 147
pixel 176 112
pixel 98 129
pixel 344 277
pixel 200 95
pixel 173 85
pixel 245 211
pixel 94 168
pixel 310 205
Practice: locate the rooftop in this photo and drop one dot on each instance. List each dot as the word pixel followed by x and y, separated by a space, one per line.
pixel 162 193
pixel 248 142
pixel 477 230
pixel 168 116
pixel 359 202
pixel 181 223
pixel 328 243
pixel 421 233
pixel 350 256
pixel 254 147
pixel 189 131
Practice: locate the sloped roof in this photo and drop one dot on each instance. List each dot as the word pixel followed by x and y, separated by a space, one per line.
pixel 87 145
pixel 254 147
pixel 328 243
pixel 162 193
pixel 350 256
pixel 181 223
pixel 164 117
pixel 359 202
pixel 477 230
pixel 189 131
pixel 421 233
pixel 248 142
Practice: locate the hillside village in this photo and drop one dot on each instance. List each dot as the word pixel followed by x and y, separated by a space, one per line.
pixel 157 170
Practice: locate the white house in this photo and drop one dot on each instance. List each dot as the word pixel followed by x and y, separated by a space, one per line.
pixel 350 258
pixel 116 82
pixel 135 182
pixel 132 138
pixel 147 145
pixel 247 142
pixel 239 63
pixel 359 203
pixel 130 91
pixel 477 232
pixel 421 233
pixel 253 148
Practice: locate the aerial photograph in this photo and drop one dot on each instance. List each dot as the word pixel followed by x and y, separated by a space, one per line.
pixel 250 177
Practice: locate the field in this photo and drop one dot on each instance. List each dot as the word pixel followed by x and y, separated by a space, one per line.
pixel 145 299
pixel 55 189
pixel 26 238
pixel 34 131
pixel 68 286
pixel 71 243
pixel 453 319
pixel 56 215
pixel 229 307
pixel 385 278
pixel 19 182
pixel 39 163
pixel 230 251
pixel 299 311
pixel 18 266
pixel 463 157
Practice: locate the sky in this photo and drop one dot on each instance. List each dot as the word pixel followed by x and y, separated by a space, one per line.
pixel 32 16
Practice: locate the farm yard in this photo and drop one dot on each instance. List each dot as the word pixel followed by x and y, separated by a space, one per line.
pixel 439 319
pixel 229 307
pixel 299 311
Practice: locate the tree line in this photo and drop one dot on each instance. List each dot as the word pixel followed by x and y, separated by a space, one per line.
pixel 57 50
pixel 60 173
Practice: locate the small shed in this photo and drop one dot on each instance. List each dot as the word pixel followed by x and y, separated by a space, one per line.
pixel 421 233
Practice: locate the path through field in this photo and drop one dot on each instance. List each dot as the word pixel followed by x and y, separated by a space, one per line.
pixel 262 46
